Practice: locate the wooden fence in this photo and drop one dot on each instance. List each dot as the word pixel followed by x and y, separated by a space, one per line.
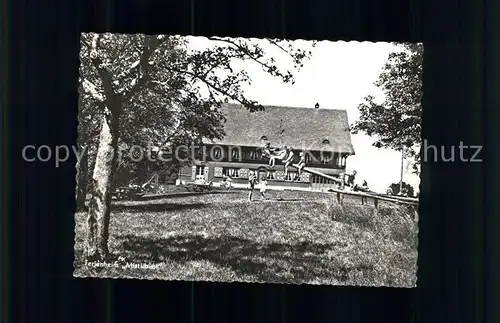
pixel 376 197
pixel 364 196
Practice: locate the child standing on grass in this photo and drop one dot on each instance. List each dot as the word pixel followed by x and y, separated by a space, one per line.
pixel 252 178
pixel 263 187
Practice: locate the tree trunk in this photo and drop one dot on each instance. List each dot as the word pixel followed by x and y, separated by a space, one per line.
pixel 98 217
pixel 82 178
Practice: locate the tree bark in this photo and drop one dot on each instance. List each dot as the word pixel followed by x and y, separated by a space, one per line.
pixel 82 178
pixel 98 216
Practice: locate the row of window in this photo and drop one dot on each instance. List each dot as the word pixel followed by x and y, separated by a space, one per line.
pixel 272 175
pixel 256 155
pixel 235 154
pixel 234 172
pixel 290 176
pixel 243 173
pixel 325 142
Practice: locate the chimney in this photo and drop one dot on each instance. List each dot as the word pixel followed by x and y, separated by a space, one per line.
pixel 316 106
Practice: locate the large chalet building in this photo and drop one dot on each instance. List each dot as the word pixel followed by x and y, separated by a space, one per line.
pixel 322 134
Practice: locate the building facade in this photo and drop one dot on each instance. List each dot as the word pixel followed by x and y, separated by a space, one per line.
pixel 322 134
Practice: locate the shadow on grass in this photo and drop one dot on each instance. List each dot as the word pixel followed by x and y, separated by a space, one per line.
pixel 279 199
pixel 273 262
pixel 156 207
pixel 154 196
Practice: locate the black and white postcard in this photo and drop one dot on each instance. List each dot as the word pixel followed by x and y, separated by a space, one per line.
pixel 248 160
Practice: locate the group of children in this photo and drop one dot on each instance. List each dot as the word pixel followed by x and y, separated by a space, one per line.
pixel 252 181
pixel 286 155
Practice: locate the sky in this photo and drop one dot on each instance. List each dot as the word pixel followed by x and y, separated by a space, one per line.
pixel 339 75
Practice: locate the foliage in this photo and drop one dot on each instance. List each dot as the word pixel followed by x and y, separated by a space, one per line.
pixel 160 84
pixel 147 92
pixel 396 122
pixel 409 189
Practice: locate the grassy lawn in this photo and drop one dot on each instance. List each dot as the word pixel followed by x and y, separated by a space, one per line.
pixel 291 237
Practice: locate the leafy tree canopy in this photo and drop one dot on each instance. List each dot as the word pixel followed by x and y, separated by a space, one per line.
pixel 160 84
pixel 396 122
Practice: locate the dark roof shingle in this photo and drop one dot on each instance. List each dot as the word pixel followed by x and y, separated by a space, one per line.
pixel 304 128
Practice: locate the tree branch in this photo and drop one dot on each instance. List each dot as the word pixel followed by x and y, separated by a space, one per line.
pixel 151 43
pixel 246 52
pixel 212 86
pixel 275 43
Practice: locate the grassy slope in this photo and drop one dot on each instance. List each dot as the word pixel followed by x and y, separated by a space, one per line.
pixel 290 238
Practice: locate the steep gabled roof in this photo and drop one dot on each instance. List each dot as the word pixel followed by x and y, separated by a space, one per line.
pixel 304 128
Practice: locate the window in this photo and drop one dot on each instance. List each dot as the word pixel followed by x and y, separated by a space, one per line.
pixel 235 153
pixel 248 154
pixel 254 154
pixel 321 180
pixel 326 142
pixel 232 172
pixel 340 160
pixel 326 158
pixel 263 138
pixel 200 173
pixel 200 170
pixel 217 153
pixel 271 175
